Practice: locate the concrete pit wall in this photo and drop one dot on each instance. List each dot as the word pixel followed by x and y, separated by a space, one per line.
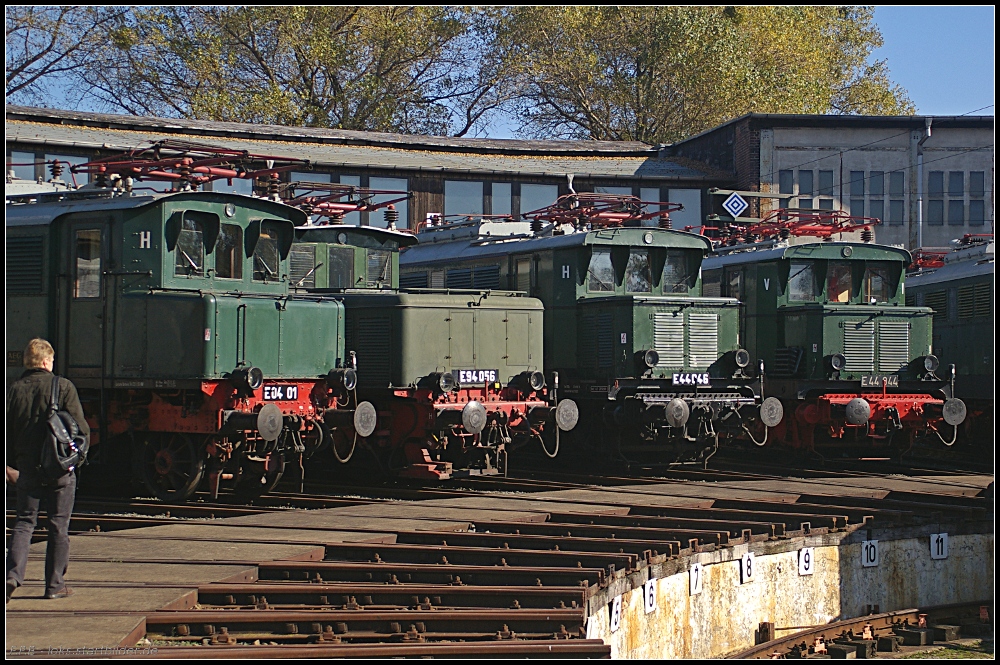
pixel 723 618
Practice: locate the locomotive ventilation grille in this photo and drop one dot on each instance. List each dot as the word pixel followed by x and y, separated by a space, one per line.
pixel 701 347
pixel 893 345
pixel 787 361
pixel 859 346
pixel 24 265
pixel 597 343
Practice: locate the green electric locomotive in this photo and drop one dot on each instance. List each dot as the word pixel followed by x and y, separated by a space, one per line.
pixel 454 373
pixel 850 361
pixel 959 288
pixel 171 313
pixel 656 367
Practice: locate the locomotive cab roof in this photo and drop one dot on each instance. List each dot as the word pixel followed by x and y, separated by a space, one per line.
pixel 835 251
pixel 348 234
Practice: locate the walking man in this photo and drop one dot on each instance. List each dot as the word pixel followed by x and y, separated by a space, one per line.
pixel 27 413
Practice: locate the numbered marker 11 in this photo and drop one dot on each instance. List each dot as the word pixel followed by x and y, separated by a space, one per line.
pixel 869 553
pixel 649 595
pixel 939 546
pixel 695 575
pixel 746 568
pixel 806 561
pixel 616 613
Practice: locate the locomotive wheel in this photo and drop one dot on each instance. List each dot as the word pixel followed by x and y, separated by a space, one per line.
pixel 256 478
pixel 173 466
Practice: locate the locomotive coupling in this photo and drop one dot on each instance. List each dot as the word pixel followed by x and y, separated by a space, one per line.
pixel 363 419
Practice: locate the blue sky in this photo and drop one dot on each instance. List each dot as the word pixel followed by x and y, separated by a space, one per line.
pixel 943 56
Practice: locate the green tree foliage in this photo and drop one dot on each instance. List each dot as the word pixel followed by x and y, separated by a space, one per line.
pixel 659 74
pixel 405 69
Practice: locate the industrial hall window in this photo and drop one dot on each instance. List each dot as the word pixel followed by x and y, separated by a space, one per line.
pixel 189 255
pixel 87 281
pixel 229 252
pixel 601 273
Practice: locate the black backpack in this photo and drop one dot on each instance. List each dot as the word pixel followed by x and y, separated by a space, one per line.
pixel 64 447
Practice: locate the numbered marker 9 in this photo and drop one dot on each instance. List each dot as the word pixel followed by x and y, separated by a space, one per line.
pixel 649 595
pixel 869 553
pixel 746 568
pixel 806 561
pixel 939 546
pixel 616 613
pixel 695 576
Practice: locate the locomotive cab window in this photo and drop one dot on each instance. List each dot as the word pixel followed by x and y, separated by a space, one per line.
pixel 341 267
pixel 638 276
pixel 228 259
pixel 838 282
pixel 189 253
pixel 87 280
pixel 801 282
pixel 734 284
pixel 876 283
pixel 601 272
pixel 266 259
pixel 379 267
pixel 677 277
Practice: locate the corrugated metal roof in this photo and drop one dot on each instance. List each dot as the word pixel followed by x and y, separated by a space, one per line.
pixel 343 150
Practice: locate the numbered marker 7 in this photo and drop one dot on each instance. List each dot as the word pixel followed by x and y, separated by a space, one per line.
pixel 696 577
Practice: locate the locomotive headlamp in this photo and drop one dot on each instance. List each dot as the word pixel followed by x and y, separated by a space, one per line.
pixel 446 382
pixel 742 358
pixel 931 363
pixel 838 362
pixel 646 359
pixel 536 380
pixel 342 379
pixel 247 379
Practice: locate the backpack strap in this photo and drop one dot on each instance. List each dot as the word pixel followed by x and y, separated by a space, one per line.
pixel 54 401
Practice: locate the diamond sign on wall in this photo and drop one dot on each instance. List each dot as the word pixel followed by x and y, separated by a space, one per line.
pixel 735 205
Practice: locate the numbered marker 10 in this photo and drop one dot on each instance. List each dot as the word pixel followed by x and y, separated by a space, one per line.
pixel 695 576
pixel 869 553
pixel 649 595
pixel 746 568
pixel 939 546
pixel 616 613
pixel 806 561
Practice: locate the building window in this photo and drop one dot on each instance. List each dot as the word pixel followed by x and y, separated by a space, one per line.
pixel 617 191
pixel 825 184
pixel 956 183
pixel 935 212
pixel 877 209
pixel 501 198
pixel 977 184
pixel 650 195
pixel 896 183
pixel 535 197
pixel 805 183
pixel 956 212
pixel 462 197
pixel 807 204
pixel 857 207
pixel 393 184
pixel 876 183
pixel 22 165
pixel 826 204
pixel 977 213
pixel 352 218
pixel 857 184
pixel 895 211
pixel 691 214
pixel 935 183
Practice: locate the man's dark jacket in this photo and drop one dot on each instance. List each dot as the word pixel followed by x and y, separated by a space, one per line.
pixel 27 411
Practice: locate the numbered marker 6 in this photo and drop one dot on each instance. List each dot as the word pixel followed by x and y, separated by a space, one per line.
pixel 649 595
